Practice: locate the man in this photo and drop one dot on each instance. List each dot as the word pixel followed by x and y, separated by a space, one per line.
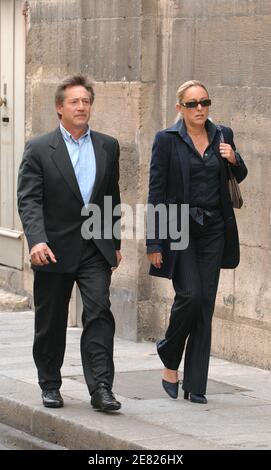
pixel 60 174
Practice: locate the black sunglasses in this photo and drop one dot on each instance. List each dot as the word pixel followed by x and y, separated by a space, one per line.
pixel 194 104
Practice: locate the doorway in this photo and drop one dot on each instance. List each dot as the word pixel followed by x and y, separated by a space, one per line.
pixel 12 127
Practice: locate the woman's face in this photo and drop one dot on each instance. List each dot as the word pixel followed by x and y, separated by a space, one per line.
pixel 194 116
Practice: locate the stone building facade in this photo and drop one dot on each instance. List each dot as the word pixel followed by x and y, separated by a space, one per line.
pixel 138 52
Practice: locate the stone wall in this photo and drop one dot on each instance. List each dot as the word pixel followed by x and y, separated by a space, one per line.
pixel 226 45
pixel 114 42
pixel 138 52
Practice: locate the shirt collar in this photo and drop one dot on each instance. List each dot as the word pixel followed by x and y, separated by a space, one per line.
pixel 180 127
pixel 68 137
pixel 211 129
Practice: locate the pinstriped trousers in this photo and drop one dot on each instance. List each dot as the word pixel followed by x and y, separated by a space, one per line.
pixel 195 282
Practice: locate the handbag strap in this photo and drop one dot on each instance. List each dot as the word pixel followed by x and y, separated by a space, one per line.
pixel 224 134
pixel 231 175
pixel 225 138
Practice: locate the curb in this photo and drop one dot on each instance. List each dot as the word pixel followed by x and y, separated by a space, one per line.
pixel 59 430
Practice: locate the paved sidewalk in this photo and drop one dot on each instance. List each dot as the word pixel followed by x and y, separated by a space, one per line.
pixel 237 416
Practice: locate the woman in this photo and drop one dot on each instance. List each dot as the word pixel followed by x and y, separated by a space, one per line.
pixel 189 165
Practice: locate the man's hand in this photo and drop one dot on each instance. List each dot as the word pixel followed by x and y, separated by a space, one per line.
pixel 119 258
pixel 155 259
pixel 40 255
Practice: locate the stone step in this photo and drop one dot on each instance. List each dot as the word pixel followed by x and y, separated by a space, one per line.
pixel 15 439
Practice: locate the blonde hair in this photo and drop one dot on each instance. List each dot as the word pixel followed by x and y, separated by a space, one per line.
pixel 182 89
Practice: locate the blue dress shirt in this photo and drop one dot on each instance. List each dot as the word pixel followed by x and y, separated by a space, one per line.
pixel 82 156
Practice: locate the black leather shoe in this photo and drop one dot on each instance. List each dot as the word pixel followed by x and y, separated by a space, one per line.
pixel 103 399
pixel 172 388
pixel 195 398
pixel 52 399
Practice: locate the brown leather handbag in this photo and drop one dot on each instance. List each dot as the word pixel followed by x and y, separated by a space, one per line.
pixel 235 192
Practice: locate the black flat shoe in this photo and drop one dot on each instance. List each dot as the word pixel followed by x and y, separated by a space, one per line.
pixel 172 388
pixel 195 398
pixel 52 399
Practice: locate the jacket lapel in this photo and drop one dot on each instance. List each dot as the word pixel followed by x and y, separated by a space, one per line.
pixel 101 157
pixel 63 162
pixel 181 135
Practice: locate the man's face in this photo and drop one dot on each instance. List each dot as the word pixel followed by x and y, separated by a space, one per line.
pixel 75 109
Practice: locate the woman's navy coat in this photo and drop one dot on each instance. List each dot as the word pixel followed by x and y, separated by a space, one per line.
pixel 169 184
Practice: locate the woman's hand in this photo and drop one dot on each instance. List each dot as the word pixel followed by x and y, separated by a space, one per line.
pixel 227 152
pixel 155 259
